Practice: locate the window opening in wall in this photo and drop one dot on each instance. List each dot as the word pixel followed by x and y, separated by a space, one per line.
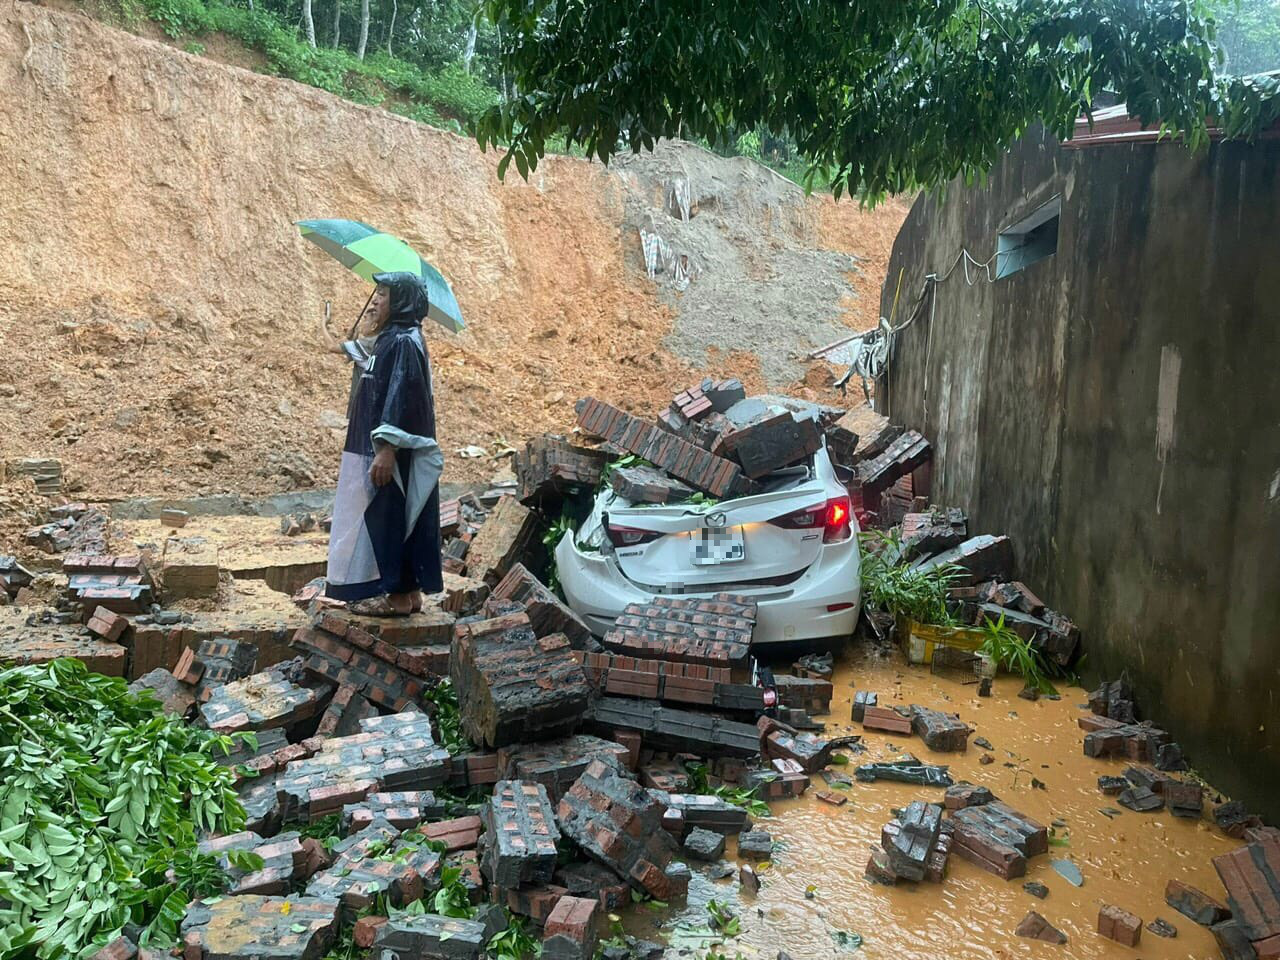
pixel 1030 239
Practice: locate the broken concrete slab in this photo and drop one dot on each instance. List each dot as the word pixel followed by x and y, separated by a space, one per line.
pixel 174 697
pixel 502 541
pixel 431 937
pixel 979 558
pixel 261 701
pixel 513 685
pixel 755 845
pixel 704 844
pixel 271 928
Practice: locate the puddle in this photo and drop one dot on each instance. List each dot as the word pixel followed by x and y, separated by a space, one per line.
pixel 1125 860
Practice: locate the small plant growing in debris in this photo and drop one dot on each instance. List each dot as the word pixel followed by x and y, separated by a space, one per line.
pixel 447 717
pixel 892 586
pixel 723 918
pixel 516 942
pixel 1013 653
pixel 745 797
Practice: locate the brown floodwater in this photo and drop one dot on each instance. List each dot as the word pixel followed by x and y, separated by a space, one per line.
pixel 1125 860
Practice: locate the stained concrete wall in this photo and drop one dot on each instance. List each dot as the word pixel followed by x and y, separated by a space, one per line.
pixel 1115 408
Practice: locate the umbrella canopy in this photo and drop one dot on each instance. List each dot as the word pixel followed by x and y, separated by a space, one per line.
pixel 366 251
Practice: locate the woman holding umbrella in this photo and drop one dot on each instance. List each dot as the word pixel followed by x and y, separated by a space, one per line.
pixel 384 546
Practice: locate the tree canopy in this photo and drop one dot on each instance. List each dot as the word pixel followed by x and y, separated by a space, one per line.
pixel 879 97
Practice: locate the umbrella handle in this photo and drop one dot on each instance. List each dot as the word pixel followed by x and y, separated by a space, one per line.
pixel 355 325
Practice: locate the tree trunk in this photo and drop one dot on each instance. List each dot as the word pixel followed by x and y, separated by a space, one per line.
pixel 364 28
pixel 337 22
pixel 251 6
pixel 469 54
pixel 309 22
pixel 391 30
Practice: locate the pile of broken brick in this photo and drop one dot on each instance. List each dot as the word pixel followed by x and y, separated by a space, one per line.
pixel 577 767
pixel 983 586
pixel 1248 925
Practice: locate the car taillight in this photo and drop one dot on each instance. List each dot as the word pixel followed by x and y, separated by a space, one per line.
pixel 630 536
pixel 832 517
pixel 836 521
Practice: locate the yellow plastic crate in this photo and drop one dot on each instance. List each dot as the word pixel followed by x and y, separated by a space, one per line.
pixel 919 640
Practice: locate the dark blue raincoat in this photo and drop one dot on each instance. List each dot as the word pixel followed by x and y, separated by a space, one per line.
pixel 387 539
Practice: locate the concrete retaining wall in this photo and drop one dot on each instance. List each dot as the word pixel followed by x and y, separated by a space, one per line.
pixel 1115 408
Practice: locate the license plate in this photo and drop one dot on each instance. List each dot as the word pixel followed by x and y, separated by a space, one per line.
pixel 713 545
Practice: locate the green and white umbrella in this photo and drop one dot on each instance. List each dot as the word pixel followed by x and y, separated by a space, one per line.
pixel 366 251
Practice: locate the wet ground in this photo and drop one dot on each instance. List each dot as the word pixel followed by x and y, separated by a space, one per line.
pixel 1125 860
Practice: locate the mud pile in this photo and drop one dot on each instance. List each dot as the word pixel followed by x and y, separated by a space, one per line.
pixel 159 313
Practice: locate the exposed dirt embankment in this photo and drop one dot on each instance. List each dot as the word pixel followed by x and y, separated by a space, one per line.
pixel 159 314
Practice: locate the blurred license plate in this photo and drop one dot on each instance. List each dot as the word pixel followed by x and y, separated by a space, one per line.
pixel 718 545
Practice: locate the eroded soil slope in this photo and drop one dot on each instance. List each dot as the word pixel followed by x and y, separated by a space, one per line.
pixel 159 315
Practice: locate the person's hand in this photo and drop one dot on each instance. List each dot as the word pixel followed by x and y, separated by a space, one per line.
pixel 382 470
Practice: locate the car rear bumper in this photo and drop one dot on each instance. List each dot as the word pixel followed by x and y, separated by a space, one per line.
pixel 598 592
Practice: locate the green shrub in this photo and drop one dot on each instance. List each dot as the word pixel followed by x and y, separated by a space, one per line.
pixel 179 18
pixel 892 586
pixel 100 802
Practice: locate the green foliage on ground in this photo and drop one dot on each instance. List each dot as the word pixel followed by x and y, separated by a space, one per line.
pixel 892 586
pixel 745 797
pixel 878 98
pixel 101 795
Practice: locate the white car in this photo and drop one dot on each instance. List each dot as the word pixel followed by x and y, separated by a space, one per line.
pixel 792 548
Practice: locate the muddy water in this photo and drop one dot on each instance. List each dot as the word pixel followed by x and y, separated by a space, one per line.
pixel 823 849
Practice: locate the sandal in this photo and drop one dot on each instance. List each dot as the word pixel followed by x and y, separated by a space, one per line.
pixel 378 607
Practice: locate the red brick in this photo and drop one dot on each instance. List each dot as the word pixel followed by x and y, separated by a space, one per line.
pixel 1119 925
pixel 366 931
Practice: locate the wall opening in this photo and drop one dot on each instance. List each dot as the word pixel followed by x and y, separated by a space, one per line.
pixel 1030 239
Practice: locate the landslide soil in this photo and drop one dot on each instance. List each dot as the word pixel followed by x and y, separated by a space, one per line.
pixel 160 316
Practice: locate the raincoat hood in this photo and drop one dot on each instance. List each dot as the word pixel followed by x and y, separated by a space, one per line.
pixel 409 299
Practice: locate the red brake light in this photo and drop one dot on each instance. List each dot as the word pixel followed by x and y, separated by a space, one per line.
pixel 832 517
pixel 837 521
pixel 630 536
